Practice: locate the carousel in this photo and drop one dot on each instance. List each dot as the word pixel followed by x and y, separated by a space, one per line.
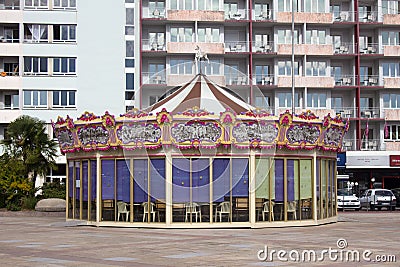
pixel 201 157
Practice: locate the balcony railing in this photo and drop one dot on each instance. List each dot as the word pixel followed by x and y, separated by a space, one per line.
pixel 365 144
pixel 9 5
pixel 369 16
pixel 369 113
pixel 345 112
pixel 369 49
pixel 370 80
pixel 262 79
pixel 236 79
pixel 152 45
pixel 370 144
pixel 343 48
pixel 154 78
pixel 240 14
pixel 263 15
pixel 236 46
pixel 155 13
pixel 344 80
pixel 343 16
pixel 267 47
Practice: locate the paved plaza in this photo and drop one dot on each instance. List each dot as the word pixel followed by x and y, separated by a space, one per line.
pixel 28 240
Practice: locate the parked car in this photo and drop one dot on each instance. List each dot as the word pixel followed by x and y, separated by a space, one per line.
pixel 396 193
pixel 347 200
pixel 378 198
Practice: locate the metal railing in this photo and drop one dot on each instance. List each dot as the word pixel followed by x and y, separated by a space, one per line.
pixel 263 79
pixel 343 16
pixel 236 79
pixel 370 80
pixel 263 15
pixel 344 80
pixel 240 14
pixel 237 46
pixel 153 45
pixel 267 47
pixel 369 49
pixel 154 78
pixel 343 48
pixel 369 16
pixel 155 13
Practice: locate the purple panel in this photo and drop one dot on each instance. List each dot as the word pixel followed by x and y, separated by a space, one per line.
pixel 157 179
pixel 107 179
pixel 71 179
pixel 221 178
pixel 123 178
pixel 180 180
pixel 279 187
pixel 93 185
pixel 201 180
pixel 84 184
pixel 290 180
pixel 240 177
pixel 140 186
pixel 78 180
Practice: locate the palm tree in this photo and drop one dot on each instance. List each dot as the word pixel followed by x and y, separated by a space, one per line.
pixel 26 140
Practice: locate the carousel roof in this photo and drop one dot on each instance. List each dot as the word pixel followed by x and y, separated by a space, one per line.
pixel 203 93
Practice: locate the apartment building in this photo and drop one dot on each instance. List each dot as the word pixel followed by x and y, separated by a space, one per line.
pixel 346 61
pixel 58 58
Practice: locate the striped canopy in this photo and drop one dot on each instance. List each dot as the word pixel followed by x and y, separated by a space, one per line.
pixel 201 92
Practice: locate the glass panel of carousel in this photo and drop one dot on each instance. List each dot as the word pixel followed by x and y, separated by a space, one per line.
pixel 279 191
pixel 221 190
pixel 329 191
pixel 108 190
pixel 240 190
pixel 92 189
pixel 264 205
pixel 324 189
pixel 141 206
pixel 85 187
pixel 180 188
pixel 78 195
pixel 306 189
pixel 318 193
pixel 123 190
pixel 333 182
pixel 199 209
pixel 157 188
pixel 70 189
pixel 292 204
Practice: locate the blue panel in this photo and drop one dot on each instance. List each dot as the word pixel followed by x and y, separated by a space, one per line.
pixel 85 179
pixel 290 180
pixel 107 179
pixel 123 178
pixel 93 184
pixel 180 180
pixel 78 179
pixel 240 177
pixel 341 160
pixel 201 180
pixel 279 187
pixel 140 185
pixel 221 178
pixel 157 179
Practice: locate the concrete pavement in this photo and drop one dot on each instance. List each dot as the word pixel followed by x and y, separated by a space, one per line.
pixel 31 240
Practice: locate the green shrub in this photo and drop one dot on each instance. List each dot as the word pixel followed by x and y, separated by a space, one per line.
pixel 53 190
pixel 28 203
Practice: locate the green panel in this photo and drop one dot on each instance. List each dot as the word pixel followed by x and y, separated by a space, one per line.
pixel 296 180
pixel 262 182
pixel 305 178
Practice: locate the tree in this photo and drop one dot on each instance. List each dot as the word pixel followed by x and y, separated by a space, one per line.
pixel 26 140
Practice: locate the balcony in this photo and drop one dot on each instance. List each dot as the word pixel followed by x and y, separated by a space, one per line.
pixel 343 49
pixel 154 78
pixel 392 114
pixel 344 80
pixel 370 80
pixel 304 17
pixel 368 17
pixel 152 45
pixel 236 46
pixel 343 16
pixel 305 49
pixel 195 15
pixel 240 14
pixel 263 15
pixel 267 47
pixel 7 115
pixel 189 47
pixel 263 80
pixel 154 13
pixel 9 5
pixel 370 49
pixel 306 81
pixel 236 79
pixel 391 82
pixel 370 145
pixel 391 50
pixel 391 19
pixel 370 112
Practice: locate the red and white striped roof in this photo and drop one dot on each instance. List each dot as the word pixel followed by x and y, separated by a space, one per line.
pixel 201 92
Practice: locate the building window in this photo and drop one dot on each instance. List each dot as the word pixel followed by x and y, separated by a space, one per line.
pixel 285 67
pixel 35 99
pixel 182 5
pixel 316 100
pixel 213 68
pixel 391 100
pixel 129 30
pixel 208 35
pixel 390 7
pixel 130 49
pixel 390 38
pixel 390 69
pixel 157 8
pixel 285 36
pixel 64 4
pixel 129 95
pixel 35 33
pixel 11 101
pixel 285 100
pixel 317 37
pixel 316 68
pixel 286 5
pixel 181 34
pixel 181 66
pixel 129 63
pixel 392 132
pixel 64 66
pixel 64 99
pixel 208 5
pixel 130 81
pixel 35 66
pixel 64 33
pixel 36 4
pixel 315 6
pixel 130 16
pixel 262 101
